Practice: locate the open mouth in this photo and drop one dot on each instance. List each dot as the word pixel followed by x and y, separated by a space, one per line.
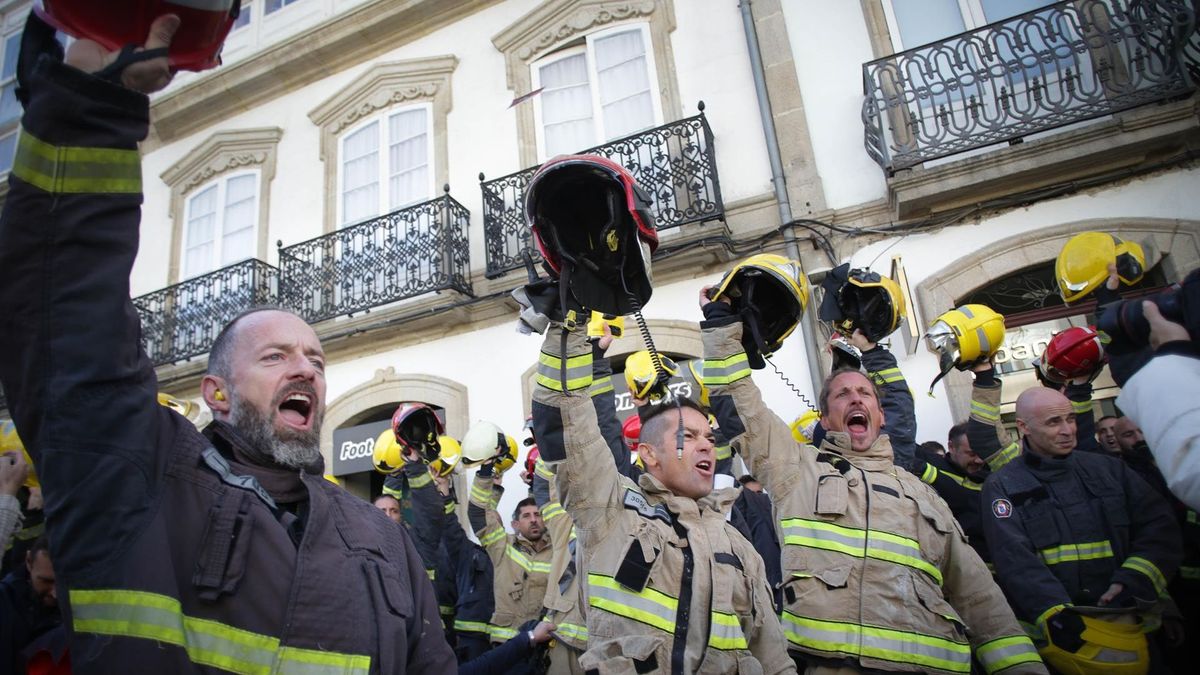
pixel 705 467
pixel 296 409
pixel 857 422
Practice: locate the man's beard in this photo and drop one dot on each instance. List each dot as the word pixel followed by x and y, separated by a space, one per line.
pixel 292 449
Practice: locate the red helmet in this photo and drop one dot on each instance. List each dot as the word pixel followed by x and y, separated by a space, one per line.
pixel 531 459
pixel 1073 353
pixel 632 430
pixel 116 23
pixel 417 428
pixel 592 223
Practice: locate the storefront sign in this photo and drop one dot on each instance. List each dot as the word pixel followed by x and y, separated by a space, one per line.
pixel 682 384
pixel 353 447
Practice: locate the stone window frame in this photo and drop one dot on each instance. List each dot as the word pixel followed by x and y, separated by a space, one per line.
pixel 555 23
pixel 382 87
pixel 222 153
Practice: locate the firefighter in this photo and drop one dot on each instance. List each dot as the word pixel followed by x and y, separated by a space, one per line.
pixel 182 552
pixel 1080 543
pixel 521 560
pixel 878 575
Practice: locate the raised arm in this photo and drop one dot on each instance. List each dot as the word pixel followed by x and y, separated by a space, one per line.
pixel 985 431
pixel 482 514
pixel 428 512
pixel 899 418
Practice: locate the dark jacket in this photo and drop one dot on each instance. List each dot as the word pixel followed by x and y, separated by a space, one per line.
pixel 1062 530
pixel 22 620
pixel 754 509
pixel 147 519
pixel 899 418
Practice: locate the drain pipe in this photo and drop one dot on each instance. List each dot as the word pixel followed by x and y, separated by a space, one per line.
pixel 779 182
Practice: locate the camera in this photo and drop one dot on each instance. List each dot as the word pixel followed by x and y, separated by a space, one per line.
pixel 1125 321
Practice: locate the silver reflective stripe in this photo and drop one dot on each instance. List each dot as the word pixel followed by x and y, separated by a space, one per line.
pixel 649 607
pixel 878 643
pixel 726 632
pixel 1007 652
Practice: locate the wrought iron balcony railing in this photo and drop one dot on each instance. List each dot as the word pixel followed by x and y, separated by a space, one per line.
pixel 1063 63
pixel 674 163
pixel 400 255
pixel 181 321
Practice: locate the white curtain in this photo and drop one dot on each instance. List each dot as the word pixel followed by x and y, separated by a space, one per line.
pixel 201 226
pixel 408 158
pixel 621 69
pixel 10 109
pixel 923 21
pixel 360 174
pixel 567 105
pixel 241 210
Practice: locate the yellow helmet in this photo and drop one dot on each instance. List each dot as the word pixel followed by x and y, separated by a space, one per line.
pixel 1082 265
pixel 804 425
pixel 507 457
pixel 863 300
pixel 642 376
pixel 11 442
pixel 449 454
pixel 387 455
pixel 696 367
pixel 332 479
pixel 1109 647
pixel 964 337
pixel 771 293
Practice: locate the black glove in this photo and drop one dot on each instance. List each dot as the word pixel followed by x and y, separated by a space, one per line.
pixel 1065 630
pixel 485 469
pixel 719 313
pixel 541 303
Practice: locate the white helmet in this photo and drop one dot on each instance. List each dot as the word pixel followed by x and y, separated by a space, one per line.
pixel 483 441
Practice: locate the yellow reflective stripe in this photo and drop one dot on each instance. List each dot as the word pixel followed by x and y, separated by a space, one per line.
pixel 446 610
pixel 501 633
pixel 448 508
pixel 579 371
pixel 726 632
pixel 492 537
pixel 76 170
pixel 879 643
pixel 1192 517
pixel 930 474
pixel 1081 407
pixel 727 370
pixel 431 573
pixel 393 492
pixel 855 542
pixel 1041 620
pixel 1139 564
pixel 1007 652
pixel 603 385
pixel 963 481
pixel 542 470
pixel 470 626
pixel 552 510
pixel 985 412
pixel 724 452
pixel 481 493
pixel 888 375
pixel 523 561
pixel 1191 573
pixel 151 616
pixel 650 607
pixel 1092 550
pixel 1008 454
pixel 419 481
pixel 572 631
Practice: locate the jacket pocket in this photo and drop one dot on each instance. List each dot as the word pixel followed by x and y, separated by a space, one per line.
pixel 628 655
pixel 799 585
pixel 392 606
pixel 225 545
pixel 833 495
pixel 932 600
pixel 1042 531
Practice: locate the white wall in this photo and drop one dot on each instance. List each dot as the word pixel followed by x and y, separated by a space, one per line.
pixel 830 43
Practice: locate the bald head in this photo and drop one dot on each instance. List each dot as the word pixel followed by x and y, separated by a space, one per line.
pixel 1047 422
pixel 1128 434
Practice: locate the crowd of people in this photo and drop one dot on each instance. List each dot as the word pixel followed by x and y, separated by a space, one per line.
pixel 136 541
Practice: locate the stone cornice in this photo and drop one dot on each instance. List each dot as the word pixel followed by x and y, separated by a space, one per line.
pixel 383 86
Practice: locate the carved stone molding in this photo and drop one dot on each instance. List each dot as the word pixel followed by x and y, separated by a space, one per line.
pixel 383 86
pixel 554 23
pixel 222 153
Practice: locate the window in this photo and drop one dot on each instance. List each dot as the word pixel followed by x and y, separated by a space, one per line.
pixel 244 15
pixel 395 145
pixel 595 91
pixel 275 5
pixel 220 226
pixel 10 108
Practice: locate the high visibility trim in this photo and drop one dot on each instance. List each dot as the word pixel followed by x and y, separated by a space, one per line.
pixel 1004 456
pixel 572 631
pixel 884 644
pixel 985 412
pixel 446 610
pixel 552 510
pixel 1006 652
pixel 1092 550
pixel 393 492
pixel 857 543
pixel 492 537
pixel 470 626
pixel 151 616
pixel 76 170
pixel 481 494
pixel 1139 564
pixel 724 452
pixel 726 632
pixel 1050 611
pixel 448 508
pixel 523 561
pixel 651 607
pixel 31 532
pixel 501 633
pixel 962 481
pixel 727 370
pixel 888 376
pixel 603 385
pixel 579 372
pixel 431 573
pixel 419 481
pixel 1190 573
pixel 542 470
pixel 1193 517
pixel 1081 407
pixel 930 474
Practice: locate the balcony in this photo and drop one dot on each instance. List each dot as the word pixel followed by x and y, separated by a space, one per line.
pixel 1065 63
pixel 400 255
pixel 181 321
pixel 674 163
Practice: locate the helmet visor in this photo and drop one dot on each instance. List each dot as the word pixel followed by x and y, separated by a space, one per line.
pixel 942 341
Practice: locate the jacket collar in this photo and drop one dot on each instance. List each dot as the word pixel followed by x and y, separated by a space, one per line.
pixel 283 484
pixel 878 457
pixel 717 501
pixel 1048 468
